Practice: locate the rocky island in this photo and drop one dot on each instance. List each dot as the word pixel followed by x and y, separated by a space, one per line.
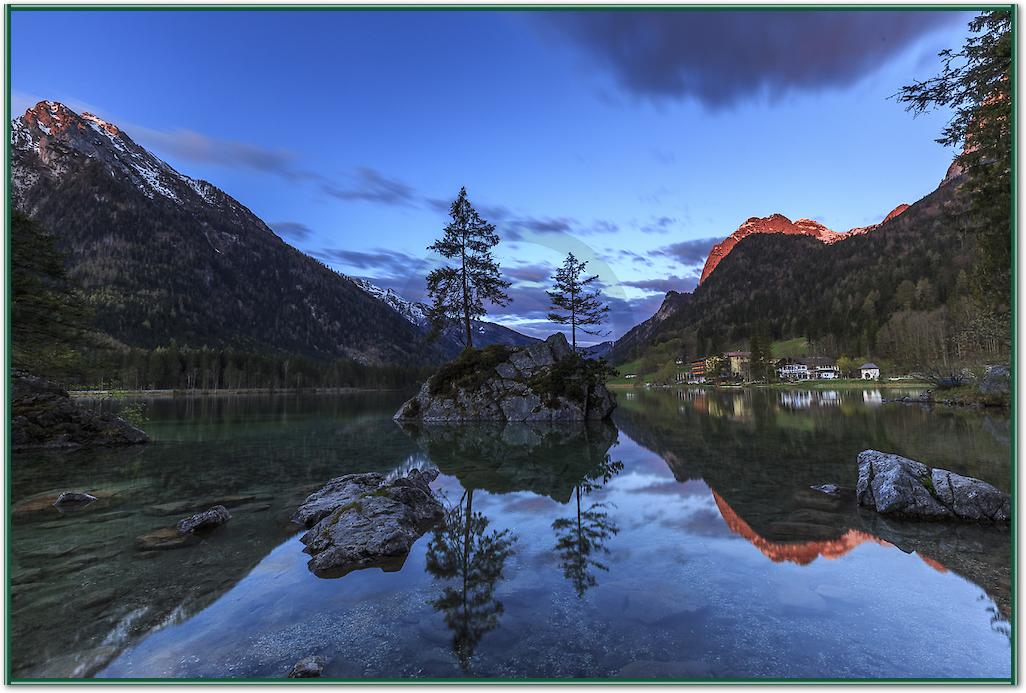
pixel 545 381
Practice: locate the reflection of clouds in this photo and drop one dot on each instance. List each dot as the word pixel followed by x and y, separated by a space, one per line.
pixel 529 505
pixel 675 488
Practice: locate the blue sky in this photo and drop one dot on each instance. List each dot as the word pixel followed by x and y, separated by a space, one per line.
pixel 634 139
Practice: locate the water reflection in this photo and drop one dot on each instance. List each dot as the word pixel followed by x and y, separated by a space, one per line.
pixel 582 539
pixel 761 475
pixel 470 559
pixel 701 551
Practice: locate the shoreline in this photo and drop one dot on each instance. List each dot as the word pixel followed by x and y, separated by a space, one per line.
pixel 87 394
pixel 851 384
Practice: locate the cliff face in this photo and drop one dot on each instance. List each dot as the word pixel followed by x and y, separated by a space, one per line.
pixel 778 223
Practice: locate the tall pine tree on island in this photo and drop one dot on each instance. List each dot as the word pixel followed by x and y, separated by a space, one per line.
pixel 578 301
pixel 458 292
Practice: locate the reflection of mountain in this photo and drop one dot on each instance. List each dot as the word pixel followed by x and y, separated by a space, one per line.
pixel 800 552
pixel 547 459
pixel 761 473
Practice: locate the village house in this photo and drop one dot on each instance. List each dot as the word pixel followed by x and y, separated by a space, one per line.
pixel 788 369
pixel 821 368
pixel 869 371
pixel 739 363
pixel 808 368
pixel 696 371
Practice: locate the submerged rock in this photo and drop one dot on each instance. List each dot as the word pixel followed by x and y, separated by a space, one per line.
pixel 829 489
pixel 214 517
pixel 307 668
pixel 544 381
pixel 73 499
pixel 365 520
pixel 895 485
pixel 44 416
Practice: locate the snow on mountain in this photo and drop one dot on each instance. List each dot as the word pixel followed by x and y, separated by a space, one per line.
pixel 417 314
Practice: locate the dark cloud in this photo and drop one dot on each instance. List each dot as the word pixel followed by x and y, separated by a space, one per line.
pixel 664 285
pixel 293 230
pixel 722 58
pixel 369 185
pixel 691 252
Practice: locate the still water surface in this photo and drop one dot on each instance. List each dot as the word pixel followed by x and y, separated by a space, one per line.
pixel 682 542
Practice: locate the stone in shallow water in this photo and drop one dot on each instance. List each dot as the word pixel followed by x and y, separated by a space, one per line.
pixel 364 520
pixel 214 517
pixel 73 498
pixel 829 489
pixel 307 668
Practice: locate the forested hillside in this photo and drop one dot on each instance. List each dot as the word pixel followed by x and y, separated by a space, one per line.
pixel 900 292
pixel 165 259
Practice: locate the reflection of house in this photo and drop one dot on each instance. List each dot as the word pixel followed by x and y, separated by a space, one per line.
pixel 869 371
pixel 796 399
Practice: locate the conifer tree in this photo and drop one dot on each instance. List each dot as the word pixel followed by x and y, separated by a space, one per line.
pixel 50 322
pixel 574 296
pixel 975 83
pixel 458 291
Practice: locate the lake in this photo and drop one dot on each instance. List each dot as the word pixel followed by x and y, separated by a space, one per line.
pixel 682 541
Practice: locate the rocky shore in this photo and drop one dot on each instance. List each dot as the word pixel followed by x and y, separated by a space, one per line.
pixel 44 416
pixel 545 381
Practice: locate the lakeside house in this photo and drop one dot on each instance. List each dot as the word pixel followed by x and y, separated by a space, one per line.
pixel 808 368
pixel 869 371
pixel 739 364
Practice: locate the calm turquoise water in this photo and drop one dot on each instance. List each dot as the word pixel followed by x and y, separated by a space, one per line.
pixel 683 542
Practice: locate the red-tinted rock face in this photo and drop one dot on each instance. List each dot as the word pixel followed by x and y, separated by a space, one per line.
pixel 778 223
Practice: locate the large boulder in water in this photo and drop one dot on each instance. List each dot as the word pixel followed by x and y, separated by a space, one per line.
pixel 895 485
pixel 996 381
pixel 545 381
pixel 366 520
pixel 44 416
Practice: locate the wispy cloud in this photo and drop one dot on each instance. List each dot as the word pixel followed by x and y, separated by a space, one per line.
pixel 691 252
pixel 662 285
pixel 370 185
pixel 195 147
pixel 292 230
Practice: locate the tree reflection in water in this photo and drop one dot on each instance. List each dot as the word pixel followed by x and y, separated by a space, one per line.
pixel 581 540
pixel 471 559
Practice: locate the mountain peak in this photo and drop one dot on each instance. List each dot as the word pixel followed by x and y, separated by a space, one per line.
pixel 778 223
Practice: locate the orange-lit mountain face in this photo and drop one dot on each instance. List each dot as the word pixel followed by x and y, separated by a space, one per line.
pixel 778 223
